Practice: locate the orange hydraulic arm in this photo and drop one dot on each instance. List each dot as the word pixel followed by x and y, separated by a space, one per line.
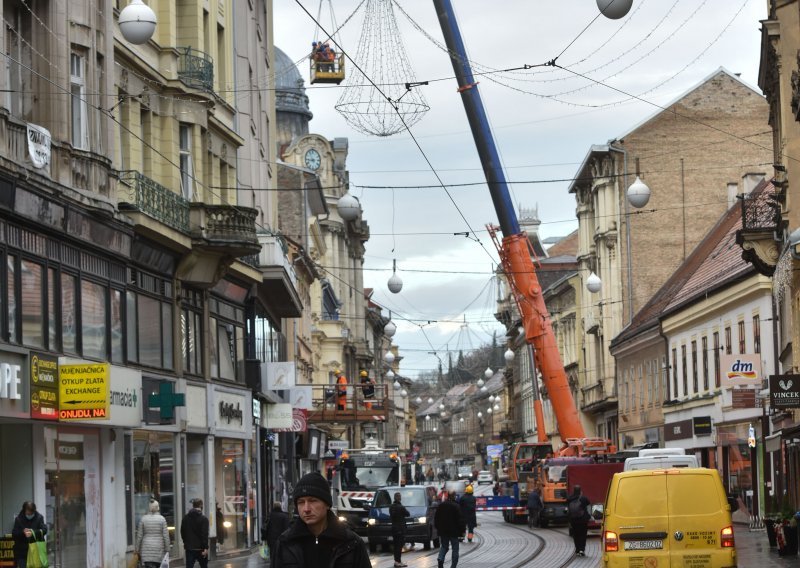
pixel 517 262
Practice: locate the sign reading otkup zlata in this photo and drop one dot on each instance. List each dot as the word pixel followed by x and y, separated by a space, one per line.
pixel 741 370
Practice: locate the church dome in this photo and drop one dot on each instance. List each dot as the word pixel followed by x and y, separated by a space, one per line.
pixel 290 93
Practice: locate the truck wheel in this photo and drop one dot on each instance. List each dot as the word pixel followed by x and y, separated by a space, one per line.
pixel 373 546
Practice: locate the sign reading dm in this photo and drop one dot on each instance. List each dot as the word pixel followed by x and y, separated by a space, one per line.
pixel 83 391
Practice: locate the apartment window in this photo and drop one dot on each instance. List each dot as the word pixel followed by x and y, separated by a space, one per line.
pixel 192 331
pixel 674 370
pixel 227 341
pixel 186 165
pixel 705 362
pixel 664 378
pixel 717 377
pixel 728 341
pixel 79 108
pixel 150 313
pixel 742 340
pixel 756 334
pixel 94 325
pixel 694 366
pixel 32 290
pixel 685 373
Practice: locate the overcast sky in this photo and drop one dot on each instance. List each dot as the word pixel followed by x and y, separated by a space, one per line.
pixel 544 122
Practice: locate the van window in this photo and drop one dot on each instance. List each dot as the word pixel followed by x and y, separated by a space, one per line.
pixel 382 499
pixel 413 497
pixel 703 492
pixel 642 496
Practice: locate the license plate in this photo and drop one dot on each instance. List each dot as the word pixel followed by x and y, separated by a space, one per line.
pixel 644 544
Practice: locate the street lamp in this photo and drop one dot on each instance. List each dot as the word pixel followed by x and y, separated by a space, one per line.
pixel 488 373
pixel 614 9
pixel 480 382
pixel 395 283
pixel 389 357
pixel 418 400
pixel 593 283
pixel 348 207
pixel 509 355
pixel 390 329
pixel 137 22
pixel 638 193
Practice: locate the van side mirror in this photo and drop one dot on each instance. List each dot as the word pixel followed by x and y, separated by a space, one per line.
pixel 733 503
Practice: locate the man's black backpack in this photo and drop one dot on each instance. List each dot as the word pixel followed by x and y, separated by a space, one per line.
pixel 576 510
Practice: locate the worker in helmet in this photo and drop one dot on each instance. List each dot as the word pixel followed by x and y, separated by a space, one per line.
pixel 468 508
pixel 367 389
pixel 341 390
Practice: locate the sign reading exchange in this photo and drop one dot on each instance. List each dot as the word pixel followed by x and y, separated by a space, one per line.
pixel 83 391
pixel 784 391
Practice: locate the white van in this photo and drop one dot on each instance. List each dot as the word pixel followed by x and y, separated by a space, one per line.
pixel 660 458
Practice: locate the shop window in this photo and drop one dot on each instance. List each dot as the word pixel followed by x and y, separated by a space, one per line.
pixel 94 328
pixel 31 292
pixel 231 492
pixel 153 476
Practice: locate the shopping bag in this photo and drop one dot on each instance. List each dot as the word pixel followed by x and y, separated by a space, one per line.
pixel 263 552
pixel 134 561
pixel 37 552
pixel 165 561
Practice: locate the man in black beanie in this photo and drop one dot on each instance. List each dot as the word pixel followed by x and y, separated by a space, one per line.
pixel 318 539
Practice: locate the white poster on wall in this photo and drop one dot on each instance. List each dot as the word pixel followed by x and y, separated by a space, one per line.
pixel 278 376
pixel 278 416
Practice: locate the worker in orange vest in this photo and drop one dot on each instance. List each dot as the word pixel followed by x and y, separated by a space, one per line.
pixel 341 402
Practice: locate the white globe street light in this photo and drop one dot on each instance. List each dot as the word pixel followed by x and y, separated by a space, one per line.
pixel 509 355
pixel 397 385
pixel 614 9
pixel 427 417
pixel 593 283
pixel 418 400
pixel 395 283
pixel 348 207
pixel 389 357
pixel 489 410
pixel 488 373
pixel 483 388
pixel 389 329
pixel 137 22
pixel 496 407
pixel 441 406
pixel 480 414
pixel 638 193
pixel 430 400
pixel 461 419
pixel 480 382
pixel 390 374
pixel 404 393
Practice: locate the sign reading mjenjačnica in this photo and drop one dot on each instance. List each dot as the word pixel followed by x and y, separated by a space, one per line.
pixel 83 391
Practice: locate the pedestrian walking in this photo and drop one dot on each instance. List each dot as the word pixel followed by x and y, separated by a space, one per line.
pixel 398 514
pixel 222 532
pixel 535 506
pixel 317 539
pixel 496 488
pixel 468 509
pixel 450 525
pixel 28 525
pixel 578 508
pixel 194 532
pixel 152 537
pixel 276 525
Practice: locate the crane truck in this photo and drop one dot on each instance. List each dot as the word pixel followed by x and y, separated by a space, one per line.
pixel 518 264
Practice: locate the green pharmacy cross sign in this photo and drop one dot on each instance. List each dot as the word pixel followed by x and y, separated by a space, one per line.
pixel 166 400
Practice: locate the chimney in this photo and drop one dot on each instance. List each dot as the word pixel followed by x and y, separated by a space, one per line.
pixel 733 189
pixel 751 180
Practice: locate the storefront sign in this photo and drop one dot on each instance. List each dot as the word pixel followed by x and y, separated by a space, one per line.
pixel 196 407
pixel 678 430
pixel 44 387
pixel 233 411
pixel 336 445
pixel 230 413
pixel 740 370
pixel 278 376
pixel 69 450
pixel 14 385
pixel 301 397
pixel 494 451
pixel 38 145
pixel 784 391
pixel 278 417
pixel 299 421
pixel 701 425
pixel 743 398
pixel 83 392
pixel 7 552
pixel 125 397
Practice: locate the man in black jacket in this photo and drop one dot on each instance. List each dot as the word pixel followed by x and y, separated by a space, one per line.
pixel 277 523
pixel 578 507
pixel 194 532
pixel 318 539
pixel 468 508
pixel 398 514
pixel 450 525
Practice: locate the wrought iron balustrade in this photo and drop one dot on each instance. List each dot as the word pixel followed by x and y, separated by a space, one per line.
pixel 761 212
pixel 195 69
pixel 155 200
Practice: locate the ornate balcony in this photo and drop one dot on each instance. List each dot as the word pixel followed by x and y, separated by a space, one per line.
pixel 279 282
pixel 154 200
pixel 761 219
pixel 195 69
pixel 598 398
pixel 227 229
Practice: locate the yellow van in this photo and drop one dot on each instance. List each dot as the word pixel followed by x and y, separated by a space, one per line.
pixel 667 519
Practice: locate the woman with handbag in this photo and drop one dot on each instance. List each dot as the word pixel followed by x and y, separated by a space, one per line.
pixel 152 537
pixel 28 527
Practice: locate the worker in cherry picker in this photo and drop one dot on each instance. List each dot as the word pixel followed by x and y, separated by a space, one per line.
pixel 341 390
pixel 367 389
